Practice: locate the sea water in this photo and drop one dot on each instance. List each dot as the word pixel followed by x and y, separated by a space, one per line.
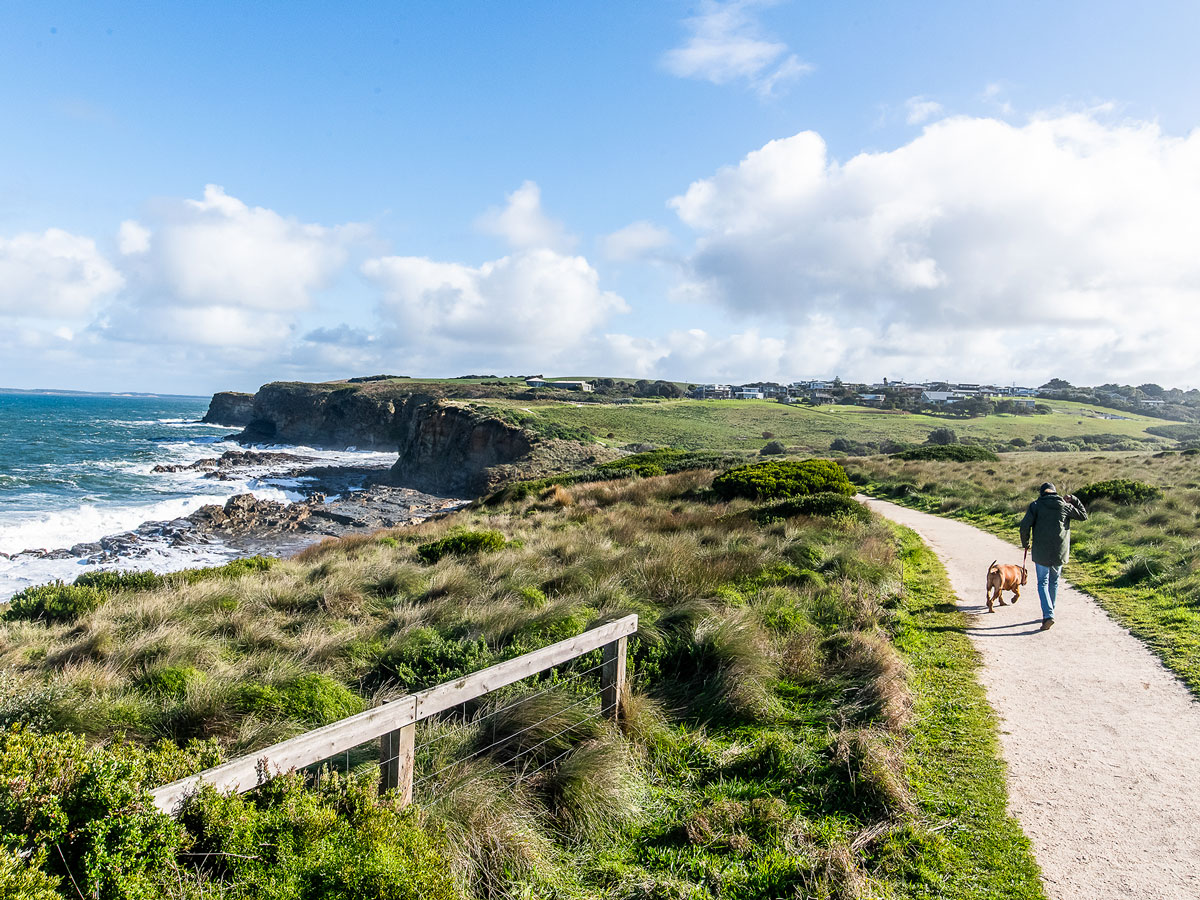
pixel 74 469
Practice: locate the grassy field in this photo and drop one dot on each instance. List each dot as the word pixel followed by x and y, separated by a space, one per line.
pixel 1141 562
pixel 740 424
pixel 800 725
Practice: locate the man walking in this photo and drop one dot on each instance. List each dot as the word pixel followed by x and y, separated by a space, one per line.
pixel 1049 519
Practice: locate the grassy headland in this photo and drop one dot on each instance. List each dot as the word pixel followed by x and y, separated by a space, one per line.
pixel 799 724
pixel 1141 561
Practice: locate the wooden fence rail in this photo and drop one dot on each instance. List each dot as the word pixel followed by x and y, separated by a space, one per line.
pixel 395 722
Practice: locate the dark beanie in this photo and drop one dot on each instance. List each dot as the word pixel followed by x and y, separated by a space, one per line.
pixel 1048 488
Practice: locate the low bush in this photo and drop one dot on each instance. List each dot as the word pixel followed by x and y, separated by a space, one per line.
pixel 461 543
pixel 772 448
pixel 54 602
pixel 949 453
pixel 423 657
pixel 827 504
pixel 114 580
pixel 311 698
pixel 1124 491
pixel 779 479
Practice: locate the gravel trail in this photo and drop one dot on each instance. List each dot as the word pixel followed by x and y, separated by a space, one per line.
pixel 1100 739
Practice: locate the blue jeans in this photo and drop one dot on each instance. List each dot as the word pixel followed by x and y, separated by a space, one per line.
pixel 1047 581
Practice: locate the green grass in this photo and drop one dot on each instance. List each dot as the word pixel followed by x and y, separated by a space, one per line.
pixel 1141 562
pixel 954 756
pixel 739 424
pixel 775 743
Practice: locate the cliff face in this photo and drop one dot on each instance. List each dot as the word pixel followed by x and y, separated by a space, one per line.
pixel 442 447
pixel 230 408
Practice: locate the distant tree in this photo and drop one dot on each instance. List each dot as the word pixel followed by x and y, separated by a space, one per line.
pixel 942 436
pixel 1150 389
pixel 1056 384
pixel 773 448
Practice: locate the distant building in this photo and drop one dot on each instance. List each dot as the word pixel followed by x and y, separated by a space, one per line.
pixel 1153 402
pixel 748 394
pixel 941 398
pixel 872 399
pixel 585 386
pixel 713 392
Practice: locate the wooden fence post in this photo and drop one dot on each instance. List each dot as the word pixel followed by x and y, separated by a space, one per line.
pixel 396 762
pixel 612 678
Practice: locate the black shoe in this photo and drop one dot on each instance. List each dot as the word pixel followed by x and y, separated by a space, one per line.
pixel 1046 624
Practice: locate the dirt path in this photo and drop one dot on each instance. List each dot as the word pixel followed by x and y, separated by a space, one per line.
pixel 1100 739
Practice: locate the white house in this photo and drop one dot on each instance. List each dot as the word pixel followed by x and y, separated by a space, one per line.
pixel 941 398
pixel 585 386
pixel 748 394
pixel 713 392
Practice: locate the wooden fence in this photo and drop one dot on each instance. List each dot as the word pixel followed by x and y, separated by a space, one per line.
pixel 395 723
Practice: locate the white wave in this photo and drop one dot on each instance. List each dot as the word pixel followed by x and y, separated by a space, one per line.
pixel 18 574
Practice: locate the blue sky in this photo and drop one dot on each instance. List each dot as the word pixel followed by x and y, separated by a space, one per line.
pixel 734 190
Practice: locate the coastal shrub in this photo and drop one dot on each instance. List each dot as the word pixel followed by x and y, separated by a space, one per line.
pixel 312 698
pixel 335 843
pixel 54 602
pixel 1124 491
pixel 461 543
pixel 827 503
pixel 782 478
pixel 423 657
pixel 115 580
pixel 667 461
pixel 949 453
pixel 170 681
pixel 942 437
pixel 21 880
pixel 772 448
pixel 83 813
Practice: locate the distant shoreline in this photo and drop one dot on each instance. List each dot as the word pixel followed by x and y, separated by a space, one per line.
pixel 129 395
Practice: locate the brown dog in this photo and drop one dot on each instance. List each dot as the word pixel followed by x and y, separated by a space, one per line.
pixel 1004 578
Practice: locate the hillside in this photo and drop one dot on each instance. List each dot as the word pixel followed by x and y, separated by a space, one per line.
pixel 802 723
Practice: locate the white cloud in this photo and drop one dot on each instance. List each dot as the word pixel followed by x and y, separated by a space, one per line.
pixel 132 238
pixel 921 109
pixel 54 274
pixel 1067 241
pixel 218 251
pixel 533 300
pixel 523 223
pixel 639 240
pixel 726 44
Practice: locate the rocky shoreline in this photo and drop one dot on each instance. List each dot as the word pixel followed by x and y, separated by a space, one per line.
pixel 337 501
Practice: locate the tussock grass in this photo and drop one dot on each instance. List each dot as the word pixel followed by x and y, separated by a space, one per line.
pixel 762 749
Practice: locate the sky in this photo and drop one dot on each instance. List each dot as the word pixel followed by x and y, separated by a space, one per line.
pixel 200 197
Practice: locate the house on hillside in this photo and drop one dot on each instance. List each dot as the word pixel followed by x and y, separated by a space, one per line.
pixel 713 392
pixel 872 399
pixel 941 398
pixel 748 394
pixel 585 386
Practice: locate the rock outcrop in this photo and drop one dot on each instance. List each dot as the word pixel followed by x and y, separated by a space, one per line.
pixel 443 445
pixel 230 408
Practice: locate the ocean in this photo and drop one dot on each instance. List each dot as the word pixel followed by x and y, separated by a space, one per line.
pixel 75 469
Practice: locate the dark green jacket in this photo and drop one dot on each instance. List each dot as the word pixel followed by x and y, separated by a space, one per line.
pixel 1049 518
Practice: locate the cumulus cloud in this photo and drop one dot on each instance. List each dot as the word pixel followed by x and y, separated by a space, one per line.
pixel 54 274
pixel 1068 231
pixel 636 241
pixel 523 224
pixel 218 251
pixel 531 300
pixel 726 44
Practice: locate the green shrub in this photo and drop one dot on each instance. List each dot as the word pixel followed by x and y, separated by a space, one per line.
pixel 827 504
pixel 461 543
pixel 112 580
pixel 20 880
pixel 54 602
pixel 783 478
pixel 949 452
pixel 1124 491
pixel 772 448
pixel 942 437
pixel 423 657
pixel 84 812
pixel 311 698
pixel 170 681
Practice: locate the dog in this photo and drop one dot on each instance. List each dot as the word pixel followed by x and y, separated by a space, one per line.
pixel 1004 578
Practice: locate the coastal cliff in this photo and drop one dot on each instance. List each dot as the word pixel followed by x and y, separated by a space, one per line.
pixel 230 408
pixel 443 444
